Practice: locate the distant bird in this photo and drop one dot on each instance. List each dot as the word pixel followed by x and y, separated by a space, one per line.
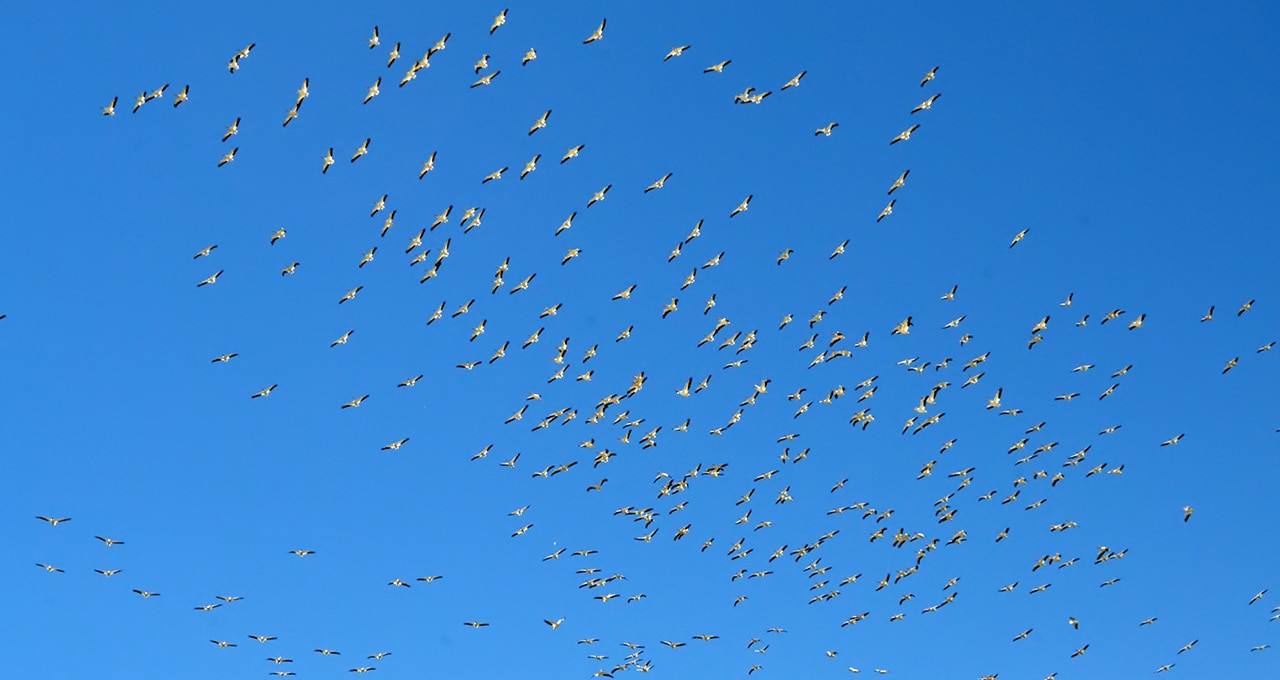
pixel 342 340
pixel 826 131
pixel 929 76
pixel 659 183
pixel 716 68
pixel 211 280
pixel 904 135
pixel 351 294
pixel 228 157
pixel 540 123
pixel 794 82
pixel 675 52
pixel 1245 307
pixel 355 402
pixel 1018 237
pixel 263 393
pixel 572 153
pixel 486 79
pixel 373 90
pixel 926 104
pixel 888 210
pixel 110 109
pixel 498 21
pixel 742 207
pixel 361 150
pixel 529 56
pixel 596 34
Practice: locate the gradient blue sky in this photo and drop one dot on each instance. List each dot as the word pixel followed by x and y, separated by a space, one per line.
pixel 1132 140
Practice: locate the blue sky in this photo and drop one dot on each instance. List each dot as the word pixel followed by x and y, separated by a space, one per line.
pixel 1132 144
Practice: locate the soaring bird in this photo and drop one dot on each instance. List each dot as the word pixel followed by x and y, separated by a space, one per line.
pixel 596 34
pixel 926 104
pixel 498 21
pixel 361 150
pixel 675 52
pixel 794 82
pixel 659 183
pixel 486 79
pixel 904 135
pixel 540 123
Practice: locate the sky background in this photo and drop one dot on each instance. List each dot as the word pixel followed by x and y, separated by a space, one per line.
pixel 1132 141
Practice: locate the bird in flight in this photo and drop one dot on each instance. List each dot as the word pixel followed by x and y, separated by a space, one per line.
pixel 596 34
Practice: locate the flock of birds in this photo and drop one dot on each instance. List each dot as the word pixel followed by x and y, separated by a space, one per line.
pixel 1048 472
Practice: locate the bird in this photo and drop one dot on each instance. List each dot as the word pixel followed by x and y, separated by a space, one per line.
pixel 426 165
pixel 354 403
pixel 211 280
pixel 110 109
pixel 486 80
pixel 351 294
pixel 596 34
pixel 373 90
pixel 529 56
pixel 659 183
pixel 826 131
pixel 794 82
pixel 1173 441
pixel 498 20
pixel 361 150
pixel 929 76
pixel 182 96
pixel 1186 512
pixel 675 52
pixel 742 207
pixel 233 129
pixel 598 196
pixel 228 157
pixel 904 135
pixel 888 210
pixel 1018 237
pixel 926 104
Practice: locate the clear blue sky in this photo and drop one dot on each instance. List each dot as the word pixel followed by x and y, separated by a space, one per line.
pixel 1133 141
